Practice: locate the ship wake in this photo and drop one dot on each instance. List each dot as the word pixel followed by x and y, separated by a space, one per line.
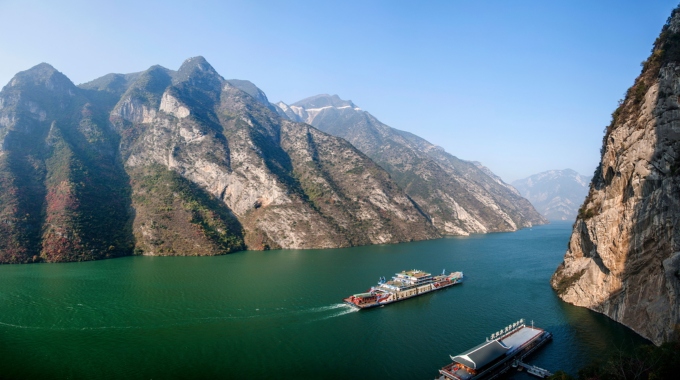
pixel 333 311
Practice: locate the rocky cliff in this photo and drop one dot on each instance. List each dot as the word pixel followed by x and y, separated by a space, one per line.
pixel 180 162
pixel 460 197
pixel 556 194
pixel 623 258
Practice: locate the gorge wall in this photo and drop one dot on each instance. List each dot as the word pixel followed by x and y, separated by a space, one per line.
pixel 623 258
pixel 184 162
pixel 180 162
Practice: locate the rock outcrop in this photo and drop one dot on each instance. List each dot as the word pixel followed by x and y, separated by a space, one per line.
pixel 460 197
pixel 623 258
pixel 556 194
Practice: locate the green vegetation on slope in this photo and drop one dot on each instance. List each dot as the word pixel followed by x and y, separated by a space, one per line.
pixel 87 201
pixel 20 208
pixel 177 217
pixel 65 195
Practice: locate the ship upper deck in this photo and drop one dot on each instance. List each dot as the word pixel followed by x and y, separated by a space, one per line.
pixel 487 352
pixel 521 336
pixel 410 278
pixel 414 273
pixel 403 284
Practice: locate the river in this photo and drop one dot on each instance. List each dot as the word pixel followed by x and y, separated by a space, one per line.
pixel 278 314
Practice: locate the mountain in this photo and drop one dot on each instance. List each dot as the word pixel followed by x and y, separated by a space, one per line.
pixel 623 258
pixel 460 197
pixel 182 162
pixel 556 194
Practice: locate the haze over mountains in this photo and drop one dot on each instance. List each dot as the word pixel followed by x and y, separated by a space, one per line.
pixel 556 194
pixel 184 162
pixel 461 197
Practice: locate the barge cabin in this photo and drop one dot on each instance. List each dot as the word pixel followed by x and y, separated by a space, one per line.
pixel 495 356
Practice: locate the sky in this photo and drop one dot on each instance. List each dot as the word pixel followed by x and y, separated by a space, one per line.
pixel 521 86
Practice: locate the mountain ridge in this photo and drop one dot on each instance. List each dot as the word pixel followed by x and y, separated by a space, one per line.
pixel 460 197
pixel 164 162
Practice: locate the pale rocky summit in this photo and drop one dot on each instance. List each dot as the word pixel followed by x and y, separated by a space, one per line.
pixel 460 197
pixel 556 194
pixel 623 258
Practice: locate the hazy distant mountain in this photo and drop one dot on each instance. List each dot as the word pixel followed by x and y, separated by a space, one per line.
pixel 460 197
pixel 180 162
pixel 556 194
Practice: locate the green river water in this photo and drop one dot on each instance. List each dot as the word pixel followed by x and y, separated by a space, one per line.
pixel 278 314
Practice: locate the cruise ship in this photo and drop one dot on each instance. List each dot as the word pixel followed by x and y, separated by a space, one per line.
pixel 403 285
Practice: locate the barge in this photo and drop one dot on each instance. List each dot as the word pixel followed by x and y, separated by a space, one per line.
pixel 501 351
pixel 403 285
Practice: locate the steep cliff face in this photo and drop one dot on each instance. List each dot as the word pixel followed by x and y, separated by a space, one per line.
pixel 180 162
pixel 623 258
pixel 287 184
pixel 460 197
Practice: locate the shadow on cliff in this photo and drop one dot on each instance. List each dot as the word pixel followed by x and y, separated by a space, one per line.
pixel 647 300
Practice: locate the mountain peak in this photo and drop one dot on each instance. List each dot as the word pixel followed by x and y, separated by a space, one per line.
pixel 43 67
pixel 194 64
pixel 197 70
pixel 195 61
pixel 42 74
pixel 324 100
pixel 41 71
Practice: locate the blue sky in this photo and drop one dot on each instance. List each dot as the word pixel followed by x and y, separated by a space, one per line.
pixel 522 86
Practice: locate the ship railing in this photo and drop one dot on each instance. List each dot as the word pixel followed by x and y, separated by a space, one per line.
pixel 508 330
pixel 449 374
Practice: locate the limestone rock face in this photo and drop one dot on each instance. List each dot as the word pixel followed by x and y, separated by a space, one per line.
pixel 171 106
pixel 623 258
pixel 183 162
pixel 289 185
pixel 460 197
